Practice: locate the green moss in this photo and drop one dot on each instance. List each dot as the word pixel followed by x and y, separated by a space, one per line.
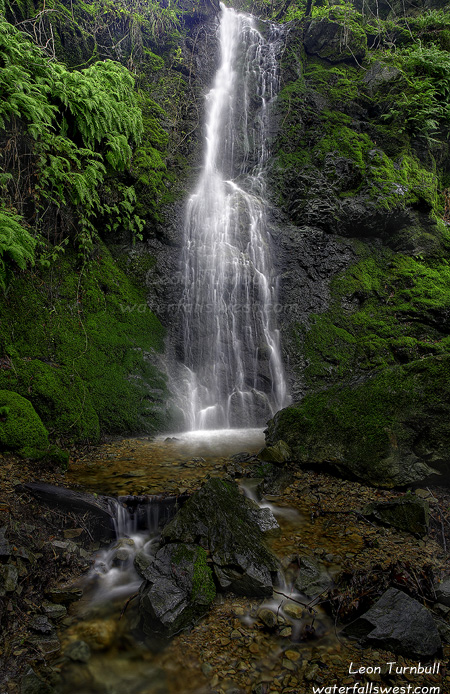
pixel 203 586
pixel 382 429
pixel 82 349
pixel 386 309
pixel 21 428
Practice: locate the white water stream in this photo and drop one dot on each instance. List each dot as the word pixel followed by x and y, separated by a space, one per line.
pixel 233 372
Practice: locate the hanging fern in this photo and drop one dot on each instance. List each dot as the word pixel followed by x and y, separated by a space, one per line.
pixel 59 109
pixel 16 245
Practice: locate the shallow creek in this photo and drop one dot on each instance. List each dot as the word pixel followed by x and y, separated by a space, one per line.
pixel 229 650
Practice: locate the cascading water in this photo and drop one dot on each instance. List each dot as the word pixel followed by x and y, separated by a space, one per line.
pixel 233 374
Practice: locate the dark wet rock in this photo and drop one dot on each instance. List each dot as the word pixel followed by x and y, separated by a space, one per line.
pixel 265 520
pixel 398 623
pixel 31 683
pixel 443 591
pixel 8 578
pixel 220 519
pixel 142 561
pixel 312 578
pixel 278 453
pixel 64 595
pixel 179 588
pixel 123 551
pixel 409 513
pixel 54 611
pixel 242 457
pixel 334 42
pixel 41 624
pixel 78 651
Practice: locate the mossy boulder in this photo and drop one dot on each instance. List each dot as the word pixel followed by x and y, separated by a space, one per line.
pixel 178 589
pixel 393 428
pixel 21 428
pixel 221 520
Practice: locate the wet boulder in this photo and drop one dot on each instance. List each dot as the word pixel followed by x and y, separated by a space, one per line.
pixel 178 589
pixel 221 520
pixel 398 623
pixel 312 578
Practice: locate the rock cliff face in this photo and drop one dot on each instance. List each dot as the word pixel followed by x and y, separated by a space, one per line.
pixel 361 229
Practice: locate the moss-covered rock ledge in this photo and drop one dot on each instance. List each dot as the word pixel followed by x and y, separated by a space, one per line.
pixel 79 343
pixel 390 429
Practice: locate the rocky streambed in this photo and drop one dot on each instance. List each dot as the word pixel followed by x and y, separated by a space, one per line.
pixel 340 547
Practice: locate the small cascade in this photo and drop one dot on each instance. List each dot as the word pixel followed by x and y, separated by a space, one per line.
pixel 137 524
pixel 233 372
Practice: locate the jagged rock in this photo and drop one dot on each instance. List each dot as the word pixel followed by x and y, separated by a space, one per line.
pixel 219 518
pixel 334 42
pixel 178 589
pixel 265 520
pixel 78 651
pixel 278 453
pixel 407 513
pixel 142 561
pixel 312 578
pixel 54 611
pixel 398 623
pixel 41 624
pixel 443 591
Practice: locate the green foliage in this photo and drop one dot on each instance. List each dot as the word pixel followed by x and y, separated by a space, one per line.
pixel 16 244
pixel 82 343
pixel 422 103
pixel 82 125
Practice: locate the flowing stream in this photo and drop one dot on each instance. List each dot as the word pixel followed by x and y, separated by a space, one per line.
pixel 119 662
pixel 233 372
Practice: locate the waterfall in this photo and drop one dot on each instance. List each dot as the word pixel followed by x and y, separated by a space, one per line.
pixel 233 371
